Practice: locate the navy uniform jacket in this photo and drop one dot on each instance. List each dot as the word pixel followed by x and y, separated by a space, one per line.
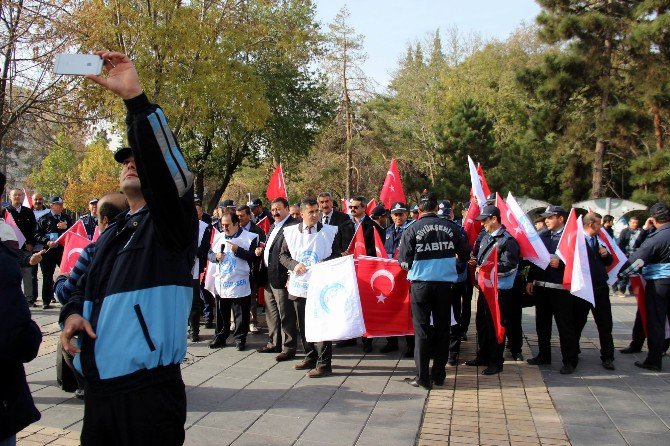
pixel 553 275
pixel 90 223
pixel 428 249
pixel 508 255
pixel 392 237
pixel 138 291
pixel 655 251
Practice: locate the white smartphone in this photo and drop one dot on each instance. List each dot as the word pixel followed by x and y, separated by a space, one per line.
pixel 78 64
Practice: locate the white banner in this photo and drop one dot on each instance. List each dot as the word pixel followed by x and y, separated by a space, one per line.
pixel 333 310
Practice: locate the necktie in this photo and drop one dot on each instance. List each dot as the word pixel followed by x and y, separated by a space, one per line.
pixel 309 229
pixel 594 243
pixel 325 219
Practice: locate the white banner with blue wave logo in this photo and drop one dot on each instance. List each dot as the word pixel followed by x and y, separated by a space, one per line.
pixel 333 309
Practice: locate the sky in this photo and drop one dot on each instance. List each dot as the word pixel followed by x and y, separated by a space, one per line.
pixel 390 25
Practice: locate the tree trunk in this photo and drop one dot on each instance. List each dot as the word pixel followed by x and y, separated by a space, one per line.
pixel 597 176
pixel 658 130
pixel 347 125
pixel 599 159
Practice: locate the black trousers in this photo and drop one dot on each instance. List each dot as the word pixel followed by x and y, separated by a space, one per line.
pixel 153 415
pixel 48 265
pixel 196 308
pixel 431 298
pixel 35 269
pixel 513 329
pixel 409 340
pixel 459 291
pixel 320 352
pixel 209 310
pixel 558 304
pixel 490 349
pixel 240 306
pixel 657 294
pixel 466 306
pixel 602 315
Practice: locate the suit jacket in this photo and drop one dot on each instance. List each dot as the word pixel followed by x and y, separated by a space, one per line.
pixel 624 240
pixel 345 226
pixel 285 255
pixel 597 266
pixel 369 228
pixel 275 274
pixel 25 221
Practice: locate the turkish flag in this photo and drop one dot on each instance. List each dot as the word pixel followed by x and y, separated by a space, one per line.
pixel 379 245
pixel 384 293
pixel 277 186
pixel 618 257
pixel 487 279
pixel 482 180
pixel 476 184
pixel 96 234
pixel 74 245
pixel 370 207
pixel 638 284
pixel 12 224
pixel 471 226
pixel 534 252
pixel 264 224
pixel 77 228
pixel 392 190
pixel 572 251
pixel 357 245
pixel 27 200
pixel 345 206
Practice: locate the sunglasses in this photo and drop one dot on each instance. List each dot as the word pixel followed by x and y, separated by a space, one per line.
pixel 355 207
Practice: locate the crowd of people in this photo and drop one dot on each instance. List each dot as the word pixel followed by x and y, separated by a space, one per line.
pixel 161 264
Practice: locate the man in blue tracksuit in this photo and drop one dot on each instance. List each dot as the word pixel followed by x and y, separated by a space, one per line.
pixel 428 250
pixel 132 305
pixel 654 254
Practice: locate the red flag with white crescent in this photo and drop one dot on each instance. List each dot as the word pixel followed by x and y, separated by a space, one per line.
pixel 264 224
pixel 523 232
pixel 345 205
pixel 77 228
pixel 277 186
pixel 572 251
pixel 618 257
pixel 73 244
pixel 384 291
pixel 482 180
pixel 476 184
pixel 471 226
pixel 357 245
pixel 392 189
pixel 487 279
pixel 638 284
pixel 370 207
pixel 96 234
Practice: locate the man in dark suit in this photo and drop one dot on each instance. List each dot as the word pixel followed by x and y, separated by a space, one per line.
pixel 244 214
pixel 599 258
pixel 279 311
pixel 630 238
pixel 333 217
pixel 25 221
pixel 301 249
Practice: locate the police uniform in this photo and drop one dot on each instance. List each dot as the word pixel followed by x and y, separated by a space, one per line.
pixel 47 231
pixel 428 250
pixel 552 299
pixel 655 253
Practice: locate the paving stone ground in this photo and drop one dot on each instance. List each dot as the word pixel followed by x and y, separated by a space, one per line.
pixel 246 398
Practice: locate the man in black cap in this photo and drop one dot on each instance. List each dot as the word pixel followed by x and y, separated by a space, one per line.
pixel 202 215
pixel 49 228
pixel 380 216
pixel 90 220
pixel 132 312
pixel 414 212
pixel 258 212
pixel 653 256
pixel 552 299
pixel 428 250
pixel 393 234
pixel 491 351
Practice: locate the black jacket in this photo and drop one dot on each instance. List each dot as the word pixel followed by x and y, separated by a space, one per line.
pixel 47 225
pixel 276 273
pixel 90 223
pixel 25 220
pixel 20 339
pixel 597 265
pixel 508 250
pixel 624 240
pixel 369 228
pixel 553 275
pixel 345 228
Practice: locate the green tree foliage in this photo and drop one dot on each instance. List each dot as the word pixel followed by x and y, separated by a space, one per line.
pixel 58 168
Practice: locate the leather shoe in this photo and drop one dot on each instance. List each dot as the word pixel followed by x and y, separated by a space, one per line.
pixel 464 337
pixel 491 370
pixel 345 343
pixel 217 343
pixel 608 364
pixel 209 324
pixel 240 346
pixel 195 337
pixel 538 360
pixel 367 348
pixel 268 349
pixel 475 362
pixel 517 356
pixel 320 372
pixel 305 364
pixel 628 350
pixel 567 369
pixel 416 383
pixel 388 348
pixel 284 356
pixel 409 353
pixel 438 382
pixel 647 366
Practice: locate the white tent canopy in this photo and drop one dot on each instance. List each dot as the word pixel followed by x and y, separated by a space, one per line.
pixel 615 207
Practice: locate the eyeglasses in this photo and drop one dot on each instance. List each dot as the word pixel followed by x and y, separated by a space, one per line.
pixel 354 207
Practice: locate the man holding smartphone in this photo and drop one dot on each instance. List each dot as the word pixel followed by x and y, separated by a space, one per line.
pixel 132 307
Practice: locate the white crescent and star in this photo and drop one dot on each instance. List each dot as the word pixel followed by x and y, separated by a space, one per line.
pixel 74 250
pixel 386 273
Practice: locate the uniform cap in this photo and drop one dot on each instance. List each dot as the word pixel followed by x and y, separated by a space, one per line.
pixel 488 211
pixel 93 201
pixel 398 207
pixel 379 211
pixel 122 154
pixel 444 208
pixel 255 203
pixel 553 210
pixel 227 204
pixel 414 208
pixel 56 199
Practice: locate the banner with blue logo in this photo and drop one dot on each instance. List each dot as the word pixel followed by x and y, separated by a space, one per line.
pixel 333 309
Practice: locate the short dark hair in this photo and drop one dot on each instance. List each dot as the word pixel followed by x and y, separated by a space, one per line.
pixel 360 198
pixel 3 181
pixel 109 210
pixel 591 217
pixel 539 220
pixel 608 218
pixel 308 201
pixel 281 200
pixel 427 202
pixel 234 219
pixel 634 217
pixel 244 208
